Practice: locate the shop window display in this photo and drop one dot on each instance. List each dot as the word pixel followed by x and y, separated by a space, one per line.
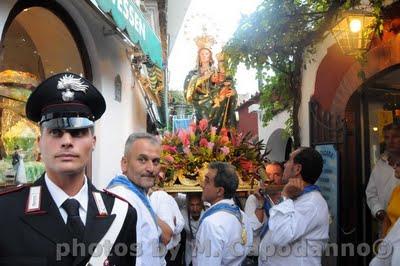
pixel 36 44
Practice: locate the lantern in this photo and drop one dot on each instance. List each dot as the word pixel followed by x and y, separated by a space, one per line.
pixel 354 31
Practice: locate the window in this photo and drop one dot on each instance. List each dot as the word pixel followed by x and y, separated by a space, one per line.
pixel 36 45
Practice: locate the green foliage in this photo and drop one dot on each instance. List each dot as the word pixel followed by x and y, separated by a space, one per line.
pixel 274 39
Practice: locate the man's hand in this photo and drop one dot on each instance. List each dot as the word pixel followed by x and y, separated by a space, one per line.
pixel 260 198
pixel 380 215
pixel 294 188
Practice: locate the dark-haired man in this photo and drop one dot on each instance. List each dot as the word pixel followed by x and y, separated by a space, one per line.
pixel 191 214
pixel 298 227
pixel 224 236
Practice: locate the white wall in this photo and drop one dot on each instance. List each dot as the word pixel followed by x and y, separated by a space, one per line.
pixel 108 58
pixel 308 86
pixel 264 133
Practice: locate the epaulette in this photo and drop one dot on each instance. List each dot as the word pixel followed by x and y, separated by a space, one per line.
pixel 114 195
pixel 13 189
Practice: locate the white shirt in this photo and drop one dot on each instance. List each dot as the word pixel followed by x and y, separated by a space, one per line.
pixel 147 234
pixel 167 210
pixel 59 196
pixel 380 186
pixel 250 209
pixel 389 249
pixel 293 227
pixel 219 239
pixel 190 242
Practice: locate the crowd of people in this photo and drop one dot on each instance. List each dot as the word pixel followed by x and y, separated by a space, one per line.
pixel 62 219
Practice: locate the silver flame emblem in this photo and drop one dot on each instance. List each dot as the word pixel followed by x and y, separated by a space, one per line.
pixel 70 85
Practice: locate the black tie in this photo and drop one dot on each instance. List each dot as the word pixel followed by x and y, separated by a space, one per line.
pixel 74 222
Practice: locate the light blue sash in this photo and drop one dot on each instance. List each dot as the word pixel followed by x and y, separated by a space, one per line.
pixel 124 181
pixel 230 208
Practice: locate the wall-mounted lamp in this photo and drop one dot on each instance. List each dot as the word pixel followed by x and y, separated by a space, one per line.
pixel 353 32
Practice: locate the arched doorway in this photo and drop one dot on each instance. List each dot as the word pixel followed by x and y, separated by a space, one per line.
pixel 279 146
pixel 39 40
pixel 362 108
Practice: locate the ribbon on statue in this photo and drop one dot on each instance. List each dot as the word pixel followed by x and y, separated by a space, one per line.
pixel 124 181
pixel 306 190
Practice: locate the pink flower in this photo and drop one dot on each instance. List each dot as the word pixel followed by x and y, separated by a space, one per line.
pixel 203 142
pixel 210 145
pixel 213 131
pixel 169 148
pixel 183 136
pixel 186 150
pixel 192 127
pixel 169 158
pixel 225 150
pixel 203 124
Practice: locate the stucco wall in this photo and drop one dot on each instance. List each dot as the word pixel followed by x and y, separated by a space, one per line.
pixel 308 85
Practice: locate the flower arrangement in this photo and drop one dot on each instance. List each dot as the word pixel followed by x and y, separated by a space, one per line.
pixel 190 149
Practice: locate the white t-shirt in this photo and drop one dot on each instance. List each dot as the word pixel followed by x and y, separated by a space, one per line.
pixel 147 233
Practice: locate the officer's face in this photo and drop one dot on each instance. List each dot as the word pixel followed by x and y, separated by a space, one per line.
pixel 66 152
pixel 142 163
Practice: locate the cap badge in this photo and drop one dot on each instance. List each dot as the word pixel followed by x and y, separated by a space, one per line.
pixel 70 84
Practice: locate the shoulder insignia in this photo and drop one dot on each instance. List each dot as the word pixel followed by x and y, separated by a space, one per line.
pixel 13 189
pixel 34 199
pixel 101 208
pixel 114 195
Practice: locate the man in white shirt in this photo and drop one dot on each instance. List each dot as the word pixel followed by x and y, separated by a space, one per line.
pixel 140 166
pixel 60 218
pixel 167 210
pixel 224 236
pixel 194 208
pixel 298 227
pixel 254 207
pixel 382 180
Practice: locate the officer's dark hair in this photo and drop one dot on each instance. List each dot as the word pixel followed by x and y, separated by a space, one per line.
pixel 311 164
pixel 226 177
pixel 137 136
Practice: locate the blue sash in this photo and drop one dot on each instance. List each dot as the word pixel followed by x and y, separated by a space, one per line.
pixel 230 208
pixel 124 181
pixel 306 190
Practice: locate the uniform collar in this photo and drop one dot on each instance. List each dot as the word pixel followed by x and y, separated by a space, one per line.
pixel 59 196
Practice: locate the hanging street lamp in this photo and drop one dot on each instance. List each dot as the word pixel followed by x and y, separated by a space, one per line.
pixel 353 33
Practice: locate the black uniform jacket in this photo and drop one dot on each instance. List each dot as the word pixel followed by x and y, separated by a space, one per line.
pixel 41 237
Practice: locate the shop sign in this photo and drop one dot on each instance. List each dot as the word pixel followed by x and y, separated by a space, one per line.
pixel 129 18
pixel 328 183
